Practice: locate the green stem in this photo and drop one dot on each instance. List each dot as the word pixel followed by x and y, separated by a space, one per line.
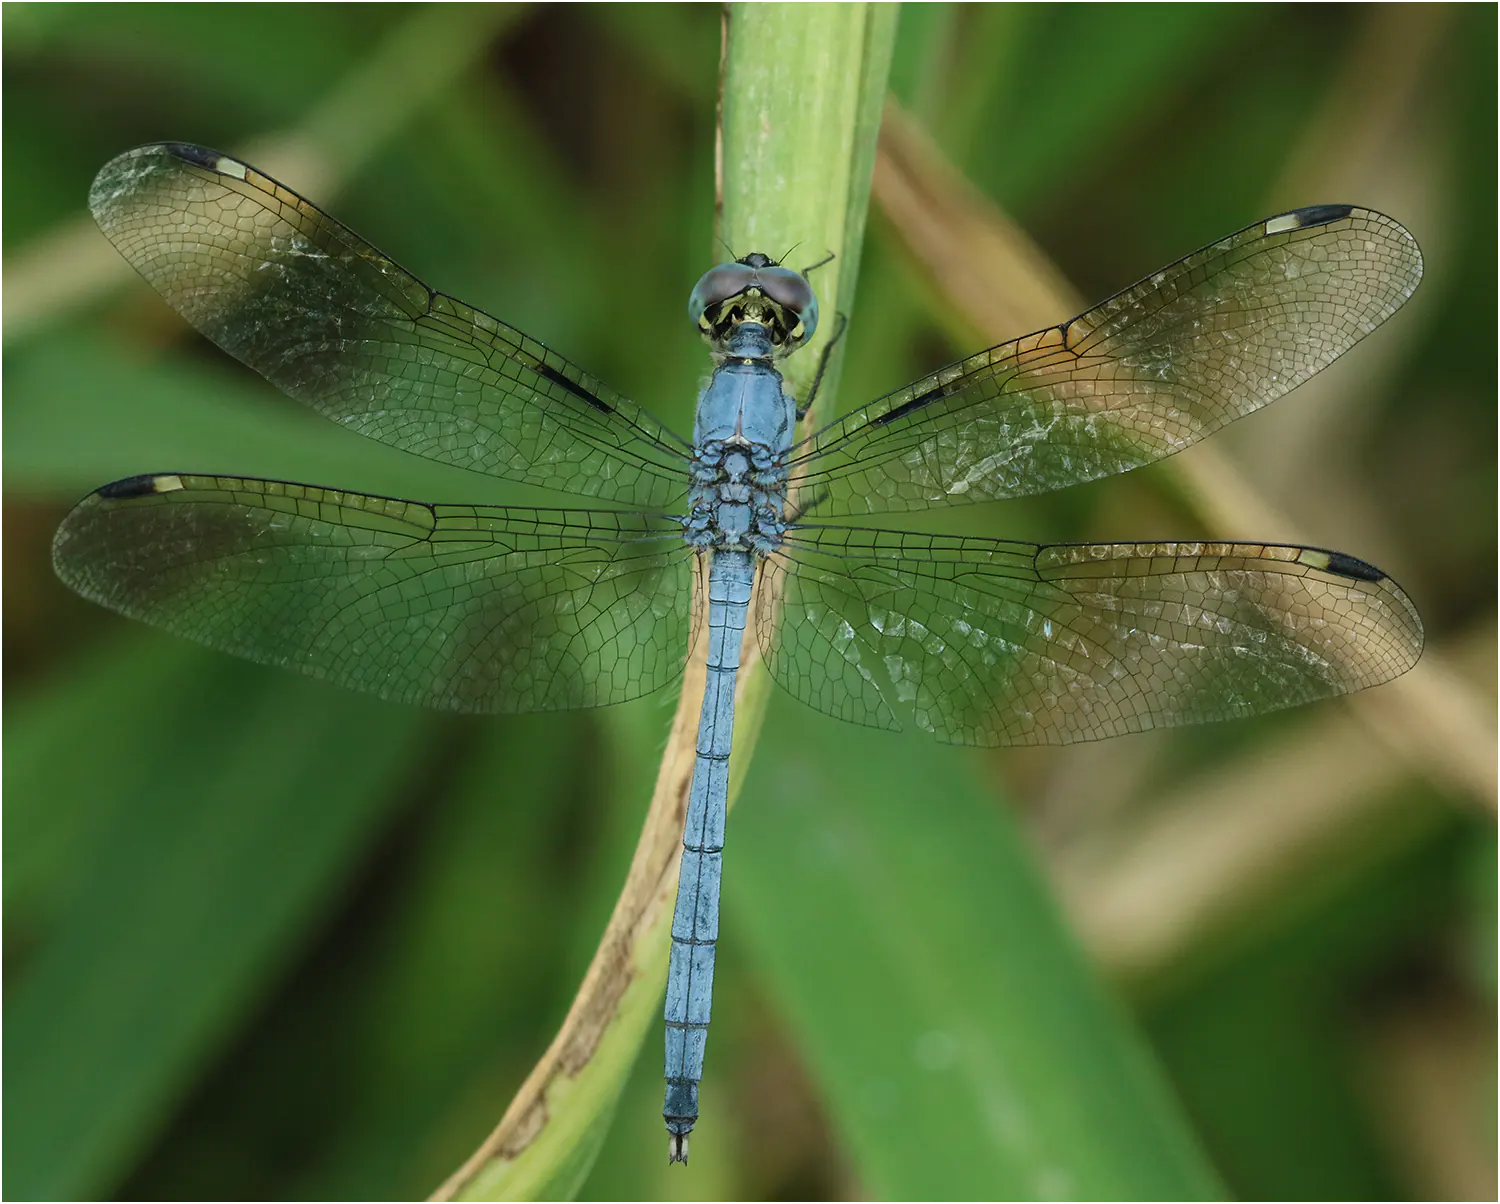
pixel 803 86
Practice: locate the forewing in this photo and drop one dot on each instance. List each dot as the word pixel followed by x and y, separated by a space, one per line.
pixel 1141 376
pixel 992 642
pixel 462 608
pixel 326 317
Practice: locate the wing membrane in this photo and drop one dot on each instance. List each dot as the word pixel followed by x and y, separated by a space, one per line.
pixel 990 642
pixel 1141 376
pixel 326 317
pixel 462 608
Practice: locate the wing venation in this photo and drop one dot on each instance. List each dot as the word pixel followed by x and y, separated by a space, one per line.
pixel 1150 371
pixel 328 319
pixel 461 608
pixel 990 642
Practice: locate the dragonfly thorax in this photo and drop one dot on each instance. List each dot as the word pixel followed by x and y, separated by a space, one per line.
pixel 757 291
pixel 738 498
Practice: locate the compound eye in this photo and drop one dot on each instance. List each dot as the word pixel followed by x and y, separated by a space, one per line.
pixel 791 291
pixel 717 286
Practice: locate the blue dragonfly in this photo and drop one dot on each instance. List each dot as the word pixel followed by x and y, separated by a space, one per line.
pixel 507 609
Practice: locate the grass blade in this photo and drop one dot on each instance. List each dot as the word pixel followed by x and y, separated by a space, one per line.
pixel 812 77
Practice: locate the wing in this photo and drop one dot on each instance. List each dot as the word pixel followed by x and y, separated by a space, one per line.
pixel 1141 376
pixel 326 317
pixel 983 641
pixel 462 608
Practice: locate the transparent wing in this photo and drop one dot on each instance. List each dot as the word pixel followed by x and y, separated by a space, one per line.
pixel 1146 373
pixel 463 608
pixel 326 317
pixel 990 642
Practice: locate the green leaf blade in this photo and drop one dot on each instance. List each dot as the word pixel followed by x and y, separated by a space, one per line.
pixel 965 1048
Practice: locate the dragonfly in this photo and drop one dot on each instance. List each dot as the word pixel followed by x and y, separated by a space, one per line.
pixel 977 641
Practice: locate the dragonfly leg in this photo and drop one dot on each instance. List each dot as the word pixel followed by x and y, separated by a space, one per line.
pixel 824 262
pixel 812 393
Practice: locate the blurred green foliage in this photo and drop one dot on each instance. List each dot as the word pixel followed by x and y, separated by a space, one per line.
pixel 265 939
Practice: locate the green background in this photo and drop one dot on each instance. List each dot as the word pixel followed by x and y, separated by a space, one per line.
pixel 265 939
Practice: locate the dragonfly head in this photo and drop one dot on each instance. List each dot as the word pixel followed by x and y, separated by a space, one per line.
pixel 754 289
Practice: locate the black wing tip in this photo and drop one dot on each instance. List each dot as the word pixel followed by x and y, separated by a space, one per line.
pixel 1309 217
pixel 119 171
pixel 1341 564
pixel 1353 567
pixel 189 152
pixel 1313 215
pixel 120 177
pixel 143 485
pixel 1399 244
